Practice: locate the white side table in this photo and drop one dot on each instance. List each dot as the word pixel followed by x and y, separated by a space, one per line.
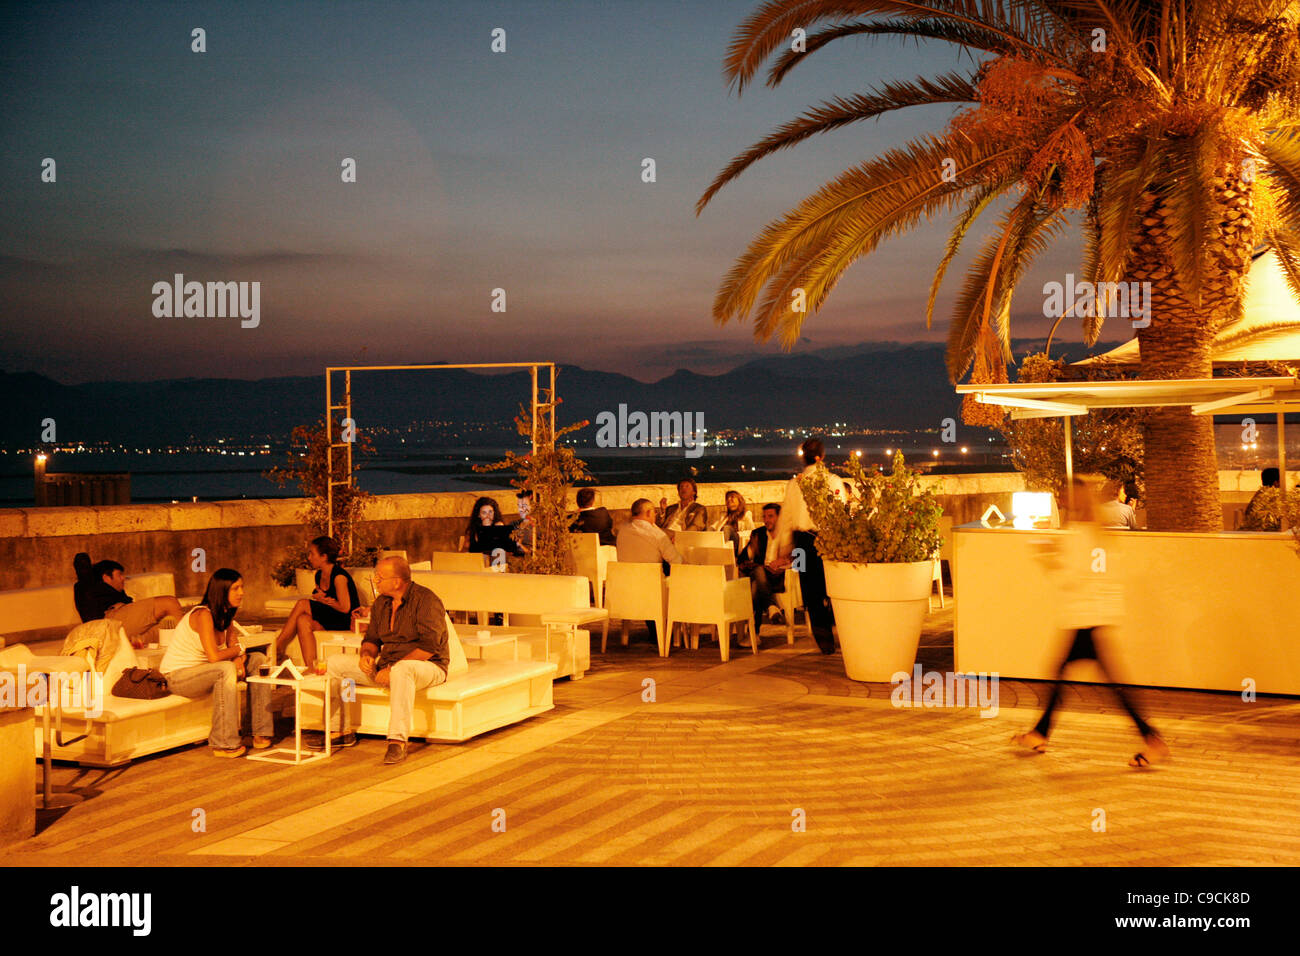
pixel 47 666
pixel 312 683
pixel 499 647
pixel 569 621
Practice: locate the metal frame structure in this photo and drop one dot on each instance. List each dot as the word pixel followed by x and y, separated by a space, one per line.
pixel 346 408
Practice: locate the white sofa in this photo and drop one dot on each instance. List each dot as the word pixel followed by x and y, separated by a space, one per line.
pixel 478 696
pixel 523 599
pixel 50 609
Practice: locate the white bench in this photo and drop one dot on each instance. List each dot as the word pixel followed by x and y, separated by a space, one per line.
pixel 478 696
pixel 50 609
pixel 126 728
pixel 524 599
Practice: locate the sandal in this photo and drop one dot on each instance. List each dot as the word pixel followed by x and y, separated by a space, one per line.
pixel 1157 750
pixel 1031 740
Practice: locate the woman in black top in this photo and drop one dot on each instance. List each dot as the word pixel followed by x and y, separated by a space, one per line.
pixel 486 532
pixel 328 609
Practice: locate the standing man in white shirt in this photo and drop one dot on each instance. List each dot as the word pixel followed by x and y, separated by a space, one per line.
pixel 796 536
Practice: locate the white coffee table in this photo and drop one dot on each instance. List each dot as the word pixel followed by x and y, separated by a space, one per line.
pixel 314 684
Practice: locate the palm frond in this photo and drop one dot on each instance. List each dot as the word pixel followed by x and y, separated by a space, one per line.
pixel 1257 334
pixel 851 215
pixel 1287 246
pixel 948 88
pixel 982 200
pixel 1024 232
pixel 771 26
pixel 951 31
pixel 1281 151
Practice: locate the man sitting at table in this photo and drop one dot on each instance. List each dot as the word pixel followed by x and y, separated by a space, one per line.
pixel 102 594
pixel 593 520
pixel 405 649
pixel 760 561
pixel 640 541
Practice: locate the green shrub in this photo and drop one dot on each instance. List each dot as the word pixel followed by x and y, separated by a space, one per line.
pixel 886 520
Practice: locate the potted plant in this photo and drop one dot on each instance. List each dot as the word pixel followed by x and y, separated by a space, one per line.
pixel 878 549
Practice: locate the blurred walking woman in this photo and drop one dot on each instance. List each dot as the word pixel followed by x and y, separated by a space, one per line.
pixel 330 606
pixel 1092 601
pixel 205 656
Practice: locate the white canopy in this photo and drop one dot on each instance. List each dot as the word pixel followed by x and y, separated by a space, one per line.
pixel 1268 301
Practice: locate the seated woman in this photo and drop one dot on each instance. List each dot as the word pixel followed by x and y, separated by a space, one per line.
pixel 487 533
pixel 330 606
pixel 735 521
pixel 205 656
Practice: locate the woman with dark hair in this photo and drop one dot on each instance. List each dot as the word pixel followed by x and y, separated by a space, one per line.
pixel 735 521
pixel 487 532
pixel 205 656
pixel 330 606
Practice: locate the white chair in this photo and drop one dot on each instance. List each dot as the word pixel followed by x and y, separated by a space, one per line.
pixel 636 591
pixel 936 577
pixel 720 556
pixel 391 554
pixel 458 561
pixel 791 600
pixel 685 540
pixel 701 594
pixel 590 559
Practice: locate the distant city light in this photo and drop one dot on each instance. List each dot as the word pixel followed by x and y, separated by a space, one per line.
pixel 935 452
pixel 964 449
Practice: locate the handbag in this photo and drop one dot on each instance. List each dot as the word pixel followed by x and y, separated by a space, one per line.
pixel 141 683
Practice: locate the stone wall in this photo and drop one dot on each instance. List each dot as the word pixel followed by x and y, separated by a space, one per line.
pixel 37 544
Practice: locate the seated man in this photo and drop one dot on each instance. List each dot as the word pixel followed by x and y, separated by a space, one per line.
pixel 406 648
pixel 641 541
pixel 1264 513
pixel 593 520
pixel 101 594
pixel 760 561
pixel 688 514
pixel 1117 511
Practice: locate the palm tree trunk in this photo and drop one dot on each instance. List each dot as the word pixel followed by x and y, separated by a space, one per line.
pixel 1181 470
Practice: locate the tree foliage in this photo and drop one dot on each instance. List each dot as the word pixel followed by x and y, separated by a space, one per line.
pixel 307 467
pixel 548 473
pixel 1106 441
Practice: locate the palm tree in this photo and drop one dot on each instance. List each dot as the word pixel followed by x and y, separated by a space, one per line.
pixel 1169 130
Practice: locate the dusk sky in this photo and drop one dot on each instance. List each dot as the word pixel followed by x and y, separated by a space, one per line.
pixel 475 171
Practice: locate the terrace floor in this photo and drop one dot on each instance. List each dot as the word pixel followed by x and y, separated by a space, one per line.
pixel 716 770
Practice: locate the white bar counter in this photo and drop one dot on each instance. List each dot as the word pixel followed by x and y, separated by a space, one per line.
pixel 1204 611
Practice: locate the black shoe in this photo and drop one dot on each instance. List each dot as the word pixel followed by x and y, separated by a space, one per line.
pixel 396 752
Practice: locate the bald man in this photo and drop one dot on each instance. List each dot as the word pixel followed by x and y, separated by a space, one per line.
pixel 405 649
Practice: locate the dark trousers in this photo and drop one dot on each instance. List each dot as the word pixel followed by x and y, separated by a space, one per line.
pixel 812 581
pixel 766 587
pixel 1085 647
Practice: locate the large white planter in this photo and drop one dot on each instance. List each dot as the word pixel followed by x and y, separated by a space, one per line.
pixel 879 612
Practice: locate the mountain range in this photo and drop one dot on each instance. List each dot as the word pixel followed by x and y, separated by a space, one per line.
pixel 875 384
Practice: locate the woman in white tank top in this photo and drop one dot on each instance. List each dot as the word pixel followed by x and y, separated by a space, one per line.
pixel 205 656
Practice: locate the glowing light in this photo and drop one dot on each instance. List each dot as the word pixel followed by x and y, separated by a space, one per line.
pixel 964 449
pixel 935 452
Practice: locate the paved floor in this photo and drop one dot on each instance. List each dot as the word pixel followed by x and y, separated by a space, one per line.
pixel 774 759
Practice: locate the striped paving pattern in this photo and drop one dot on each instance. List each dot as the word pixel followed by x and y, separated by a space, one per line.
pixel 720 769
